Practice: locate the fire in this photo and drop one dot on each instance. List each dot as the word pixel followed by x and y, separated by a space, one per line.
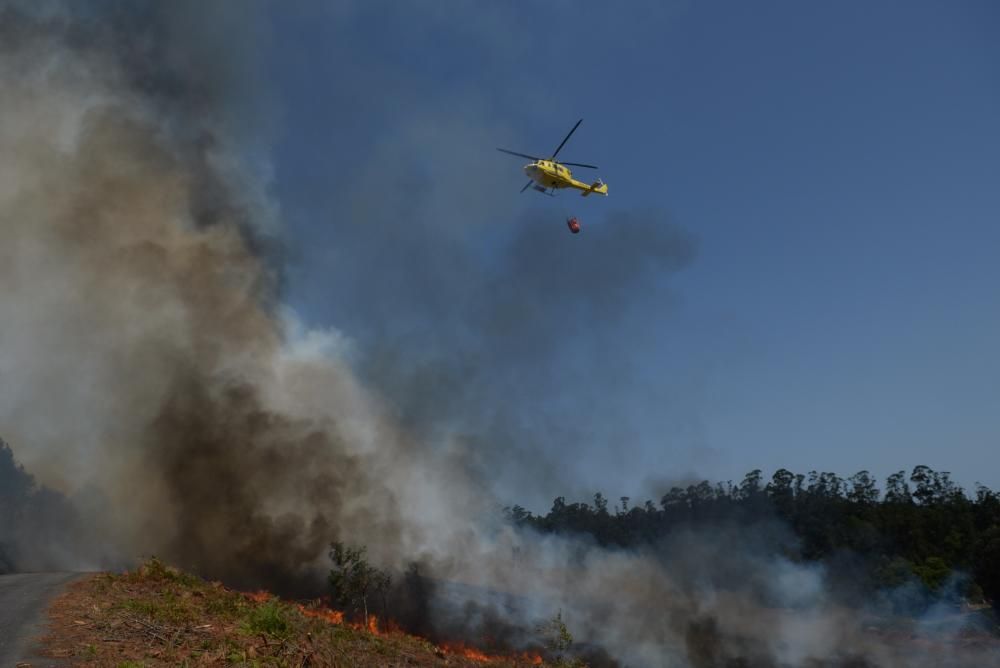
pixel 260 596
pixel 467 652
pixel 460 649
pixel 337 617
pixel 326 614
pixel 374 627
pixel 373 624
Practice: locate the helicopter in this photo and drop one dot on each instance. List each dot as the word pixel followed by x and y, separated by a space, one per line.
pixel 548 174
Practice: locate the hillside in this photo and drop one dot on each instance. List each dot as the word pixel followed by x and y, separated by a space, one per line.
pixel 159 616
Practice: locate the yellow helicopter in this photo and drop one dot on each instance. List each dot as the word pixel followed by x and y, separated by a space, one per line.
pixel 547 174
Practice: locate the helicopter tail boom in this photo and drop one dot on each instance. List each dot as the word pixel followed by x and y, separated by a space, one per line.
pixel 598 186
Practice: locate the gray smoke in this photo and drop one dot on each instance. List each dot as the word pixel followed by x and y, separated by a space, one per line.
pixel 150 371
pixel 144 354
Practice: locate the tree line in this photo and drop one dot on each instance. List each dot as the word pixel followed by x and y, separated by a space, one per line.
pixel 36 523
pixel 923 530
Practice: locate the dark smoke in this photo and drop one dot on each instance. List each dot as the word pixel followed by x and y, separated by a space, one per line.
pixel 226 459
pixel 140 285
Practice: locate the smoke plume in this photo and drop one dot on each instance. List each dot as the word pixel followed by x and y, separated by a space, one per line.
pixel 144 351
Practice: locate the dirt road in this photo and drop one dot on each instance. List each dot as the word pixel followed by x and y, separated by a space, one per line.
pixel 23 600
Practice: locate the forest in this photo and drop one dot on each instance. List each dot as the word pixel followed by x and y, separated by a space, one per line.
pixel 36 523
pixel 922 539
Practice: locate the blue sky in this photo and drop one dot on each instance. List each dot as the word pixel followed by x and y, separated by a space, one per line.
pixel 796 265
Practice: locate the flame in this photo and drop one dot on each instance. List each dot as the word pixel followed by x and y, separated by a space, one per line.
pixel 468 652
pixel 260 596
pixel 332 616
pixel 463 650
pixel 337 617
pixel 326 614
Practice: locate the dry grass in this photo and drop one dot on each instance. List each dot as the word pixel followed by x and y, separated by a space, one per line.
pixel 158 616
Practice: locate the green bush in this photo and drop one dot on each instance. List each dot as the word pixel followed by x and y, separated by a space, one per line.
pixel 270 618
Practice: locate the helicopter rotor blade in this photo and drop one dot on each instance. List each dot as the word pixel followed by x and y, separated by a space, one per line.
pixel 527 185
pixel 578 164
pixel 567 137
pixel 522 155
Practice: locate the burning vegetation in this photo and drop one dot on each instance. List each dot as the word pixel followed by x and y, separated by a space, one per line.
pixel 159 616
